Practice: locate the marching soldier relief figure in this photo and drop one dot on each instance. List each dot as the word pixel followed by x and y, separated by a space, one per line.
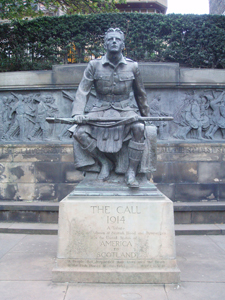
pixel 119 94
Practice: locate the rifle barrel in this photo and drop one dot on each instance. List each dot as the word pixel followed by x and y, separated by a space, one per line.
pixel 87 119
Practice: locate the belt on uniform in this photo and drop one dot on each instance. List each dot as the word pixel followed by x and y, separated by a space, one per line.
pixel 119 104
pixel 112 97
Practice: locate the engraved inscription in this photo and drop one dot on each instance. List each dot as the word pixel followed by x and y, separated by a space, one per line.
pixel 120 263
pixel 117 242
pixel 194 149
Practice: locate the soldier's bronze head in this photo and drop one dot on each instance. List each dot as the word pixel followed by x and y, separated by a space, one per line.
pixel 114 36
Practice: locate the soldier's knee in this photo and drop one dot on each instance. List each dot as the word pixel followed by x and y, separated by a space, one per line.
pixel 138 131
pixel 138 128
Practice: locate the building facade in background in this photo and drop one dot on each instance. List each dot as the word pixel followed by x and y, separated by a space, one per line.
pixel 217 7
pixel 147 6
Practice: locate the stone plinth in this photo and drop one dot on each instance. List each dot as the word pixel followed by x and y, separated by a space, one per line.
pixel 114 235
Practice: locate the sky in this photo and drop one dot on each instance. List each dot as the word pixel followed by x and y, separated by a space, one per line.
pixel 188 6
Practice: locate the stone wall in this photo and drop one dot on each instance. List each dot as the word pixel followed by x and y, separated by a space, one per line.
pixel 37 172
pixel 191 172
pixel 185 171
pixel 36 160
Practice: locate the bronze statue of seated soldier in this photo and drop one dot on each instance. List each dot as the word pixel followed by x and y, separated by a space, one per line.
pixel 121 140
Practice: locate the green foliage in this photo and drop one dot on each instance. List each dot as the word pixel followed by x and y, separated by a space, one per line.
pixel 19 9
pixel 191 40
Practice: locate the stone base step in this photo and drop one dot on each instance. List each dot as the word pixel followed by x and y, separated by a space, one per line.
pixel 31 212
pixel 47 212
pixel 200 229
pixel 44 228
pixel 29 228
pixel 208 212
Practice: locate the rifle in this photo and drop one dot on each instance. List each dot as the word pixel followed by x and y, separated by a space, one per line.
pixel 68 96
pixel 102 122
pixel 72 98
pixel 15 95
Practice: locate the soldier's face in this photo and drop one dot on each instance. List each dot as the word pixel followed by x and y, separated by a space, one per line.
pixel 114 42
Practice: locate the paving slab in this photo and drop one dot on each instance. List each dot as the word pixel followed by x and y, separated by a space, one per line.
pixel 199 248
pixel 32 290
pixel 27 260
pixel 202 271
pixel 115 292
pixel 8 241
pixel 200 259
pixel 37 244
pixel 220 242
pixel 26 266
pixel 196 291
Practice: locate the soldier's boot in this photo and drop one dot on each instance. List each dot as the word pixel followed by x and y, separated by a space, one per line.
pixel 135 151
pixel 199 132
pixel 106 164
pixel 8 135
pixel 45 135
pixel 208 132
pixel 22 133
pixel 161 133
pixel 185 132
pixel 31 134
pixel 223 133
pixel 213 131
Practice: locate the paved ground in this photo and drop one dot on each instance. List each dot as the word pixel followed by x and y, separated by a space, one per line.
pixel 26 262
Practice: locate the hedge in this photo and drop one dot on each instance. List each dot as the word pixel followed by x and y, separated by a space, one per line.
pixel 196 41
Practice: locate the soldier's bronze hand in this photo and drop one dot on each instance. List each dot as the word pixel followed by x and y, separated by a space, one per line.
pixel 80 119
